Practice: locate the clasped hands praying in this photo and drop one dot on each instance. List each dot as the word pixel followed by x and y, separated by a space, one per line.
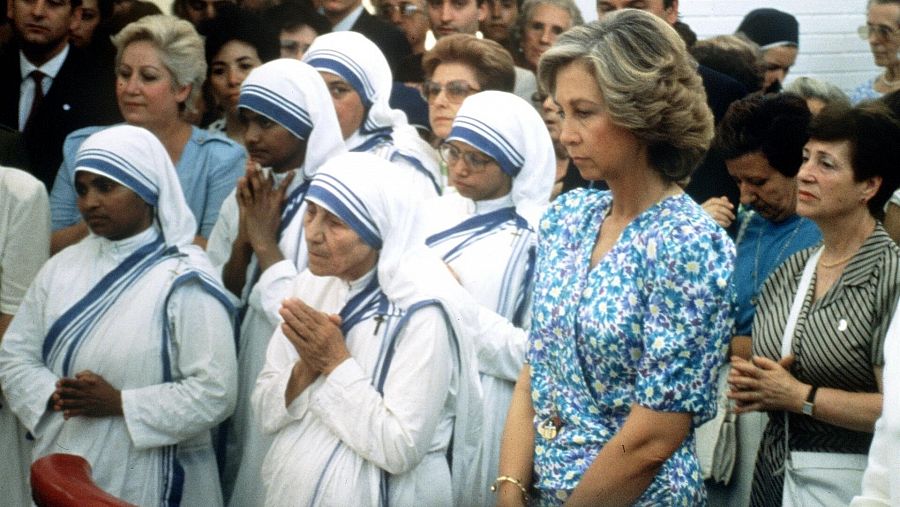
pixel 761 384
pixel 315 335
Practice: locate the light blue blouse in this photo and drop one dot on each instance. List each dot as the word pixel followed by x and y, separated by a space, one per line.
pixel 208 171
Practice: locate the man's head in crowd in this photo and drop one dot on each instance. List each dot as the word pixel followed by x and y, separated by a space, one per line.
pixel 411 16
pixel 42 26
pixel 456 16
pixel 197 11
pixel 666 9
pixel 336 10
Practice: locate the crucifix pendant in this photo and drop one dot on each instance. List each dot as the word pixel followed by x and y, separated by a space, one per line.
pixel 549 427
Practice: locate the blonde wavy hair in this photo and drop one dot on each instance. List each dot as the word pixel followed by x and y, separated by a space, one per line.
pixel 649 84
pixel 179 46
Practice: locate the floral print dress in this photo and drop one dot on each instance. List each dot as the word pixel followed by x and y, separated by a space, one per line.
pixel 649 324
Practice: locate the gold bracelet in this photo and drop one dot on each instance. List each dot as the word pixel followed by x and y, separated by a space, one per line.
pixel 511 480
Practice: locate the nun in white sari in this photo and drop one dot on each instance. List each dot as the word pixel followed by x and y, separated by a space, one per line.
pixel 291 94
pixel 381 405
pixel 368 122
pixel 123 349
pixel 501 159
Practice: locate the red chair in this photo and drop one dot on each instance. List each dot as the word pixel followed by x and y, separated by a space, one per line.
pixel 64 480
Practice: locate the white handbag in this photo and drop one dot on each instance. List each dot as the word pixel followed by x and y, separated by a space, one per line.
pixel 816 479
pixel 717 438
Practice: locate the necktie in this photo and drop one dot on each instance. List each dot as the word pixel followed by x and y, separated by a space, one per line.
pixel 38 78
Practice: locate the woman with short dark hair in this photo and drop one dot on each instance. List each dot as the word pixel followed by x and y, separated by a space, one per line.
pixel 821 383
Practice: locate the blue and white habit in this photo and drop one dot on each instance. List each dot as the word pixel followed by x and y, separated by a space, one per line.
pixel 292 94
pixel 148 315
pixel 399 422
pixel 490 244
pixel 385 131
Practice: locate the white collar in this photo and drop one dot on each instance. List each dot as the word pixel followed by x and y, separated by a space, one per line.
pixel 356 286
pixel 120 249
pixel 50 68
pixel 348 21
pixel 489 205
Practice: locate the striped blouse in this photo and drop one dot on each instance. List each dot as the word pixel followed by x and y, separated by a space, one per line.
pixel 838 341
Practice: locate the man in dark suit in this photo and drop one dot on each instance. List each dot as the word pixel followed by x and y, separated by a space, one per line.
pixel 350 15
pixel 47 87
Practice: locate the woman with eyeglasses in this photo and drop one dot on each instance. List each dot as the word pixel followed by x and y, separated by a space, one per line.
pixel 501 162
pixel 359 80
pixel 458 66
pixel 631 306
pixel 882 30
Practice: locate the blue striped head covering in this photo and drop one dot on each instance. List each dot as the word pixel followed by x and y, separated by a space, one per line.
pixel 358 61
pixel 292 94
pixel 136 159
pixel 509 130
pixel 371 196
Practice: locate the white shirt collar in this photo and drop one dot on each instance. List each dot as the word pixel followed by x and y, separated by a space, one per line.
pixel 120 249
pixel 50 68
pixel 348 21
pixel 489 205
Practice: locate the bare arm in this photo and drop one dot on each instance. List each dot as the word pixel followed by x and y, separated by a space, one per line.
pixel 764 385
pixel 5 319
pixel 517 445
pixel 67 236
pixel 629 462
pixel 741 346
pixel 892 221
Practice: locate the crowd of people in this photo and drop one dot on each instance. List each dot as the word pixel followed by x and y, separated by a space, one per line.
pixel 259 253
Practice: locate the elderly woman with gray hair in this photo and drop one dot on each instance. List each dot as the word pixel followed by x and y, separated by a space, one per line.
pixel 160 68
pixel 631 310
pixel 540 24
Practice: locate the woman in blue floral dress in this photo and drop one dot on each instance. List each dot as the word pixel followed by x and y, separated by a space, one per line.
pixel 632 299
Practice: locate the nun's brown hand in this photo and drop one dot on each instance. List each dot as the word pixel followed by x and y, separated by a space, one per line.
pixel 88 395
pixel 263 215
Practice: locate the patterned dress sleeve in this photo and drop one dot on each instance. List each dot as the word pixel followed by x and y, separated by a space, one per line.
pixel 688 319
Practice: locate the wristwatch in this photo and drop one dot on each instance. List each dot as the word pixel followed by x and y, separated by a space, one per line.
pixel 810 404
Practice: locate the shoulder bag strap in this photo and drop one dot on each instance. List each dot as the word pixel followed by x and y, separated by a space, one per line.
pixel 787 339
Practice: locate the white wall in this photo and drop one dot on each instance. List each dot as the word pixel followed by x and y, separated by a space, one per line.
pixel 830 49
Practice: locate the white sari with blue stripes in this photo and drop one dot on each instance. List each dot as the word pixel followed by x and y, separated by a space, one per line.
pixel 377 429
pixel 142 316
pixel 490 249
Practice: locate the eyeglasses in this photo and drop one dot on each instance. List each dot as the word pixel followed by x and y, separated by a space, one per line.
pixel 881 32
pixel 407 10
pixel 456 91
pixel 475 161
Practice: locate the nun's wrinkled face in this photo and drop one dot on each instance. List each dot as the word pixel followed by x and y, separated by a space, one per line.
pixel 347 104
pixel 110 209
pixel 335 249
